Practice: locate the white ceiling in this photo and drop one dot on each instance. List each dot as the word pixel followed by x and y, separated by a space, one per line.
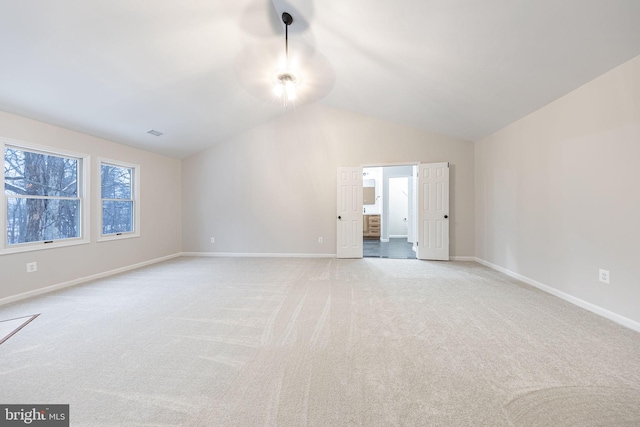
pixel 195 69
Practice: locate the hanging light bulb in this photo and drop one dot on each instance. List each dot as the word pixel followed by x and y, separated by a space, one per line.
pixel 285 86
pixel 286 82
pixel 278 89
pixel 290 90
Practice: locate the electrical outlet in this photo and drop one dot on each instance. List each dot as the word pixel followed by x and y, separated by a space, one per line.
pixel 32 266
pixel 213 240
pixel 320 239
pixel 604 276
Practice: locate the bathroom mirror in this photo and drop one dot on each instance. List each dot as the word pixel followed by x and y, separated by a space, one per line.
pixel 369 191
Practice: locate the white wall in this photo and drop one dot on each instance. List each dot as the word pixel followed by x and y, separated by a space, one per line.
pixel 398 207
pixel 273 189
pixel 388 173
pixel 160 206
pixel 557 193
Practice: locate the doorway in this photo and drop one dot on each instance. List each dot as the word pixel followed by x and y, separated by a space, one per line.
pixel 389 211
pixel 428 216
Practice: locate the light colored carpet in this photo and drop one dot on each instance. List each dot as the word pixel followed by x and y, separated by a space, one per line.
pixel 10 327
pixel 320 342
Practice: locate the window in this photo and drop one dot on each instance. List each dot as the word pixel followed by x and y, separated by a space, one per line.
pixel 118 188
pixel 44 199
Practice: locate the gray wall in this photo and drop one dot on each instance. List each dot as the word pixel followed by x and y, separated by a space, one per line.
pixel 557 193
pixel 272 190
pixel 160 206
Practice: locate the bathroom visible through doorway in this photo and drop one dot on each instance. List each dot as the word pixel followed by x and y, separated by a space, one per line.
pixel 389 209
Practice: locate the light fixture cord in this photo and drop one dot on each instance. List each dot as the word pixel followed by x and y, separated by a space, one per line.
pixel 286 42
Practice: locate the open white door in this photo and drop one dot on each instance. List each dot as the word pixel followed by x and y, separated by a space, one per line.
pixel 413 210
pixel 349 216
pixel 433 211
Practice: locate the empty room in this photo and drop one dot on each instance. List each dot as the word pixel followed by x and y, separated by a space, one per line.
pixel 191 189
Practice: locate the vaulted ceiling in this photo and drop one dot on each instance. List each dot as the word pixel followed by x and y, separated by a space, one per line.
pixel 200 71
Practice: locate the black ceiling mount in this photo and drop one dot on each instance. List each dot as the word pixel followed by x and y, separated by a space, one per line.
pixel 287 19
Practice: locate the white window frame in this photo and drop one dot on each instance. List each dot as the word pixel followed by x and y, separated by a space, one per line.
pixel 84 186
pixel 135 190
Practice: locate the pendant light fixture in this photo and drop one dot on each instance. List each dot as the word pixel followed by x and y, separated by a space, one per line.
pixel 285 86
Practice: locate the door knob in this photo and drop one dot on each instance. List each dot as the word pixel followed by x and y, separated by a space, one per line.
pixel 446 216
pixel 339 217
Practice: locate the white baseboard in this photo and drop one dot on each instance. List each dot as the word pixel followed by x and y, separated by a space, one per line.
pixel 463 258
pixel 384 240
pixel 277 255
pixel 621 320
pixel 74 282
pixel 398 236
pixel 254 255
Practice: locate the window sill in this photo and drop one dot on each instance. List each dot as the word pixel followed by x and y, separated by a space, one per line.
pixel 29 247
pixel 112 237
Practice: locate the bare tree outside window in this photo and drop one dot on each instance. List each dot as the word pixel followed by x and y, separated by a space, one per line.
pixel 42 196
pixel 117 199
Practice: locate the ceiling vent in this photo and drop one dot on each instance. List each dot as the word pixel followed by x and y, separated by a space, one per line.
pixel 154 132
